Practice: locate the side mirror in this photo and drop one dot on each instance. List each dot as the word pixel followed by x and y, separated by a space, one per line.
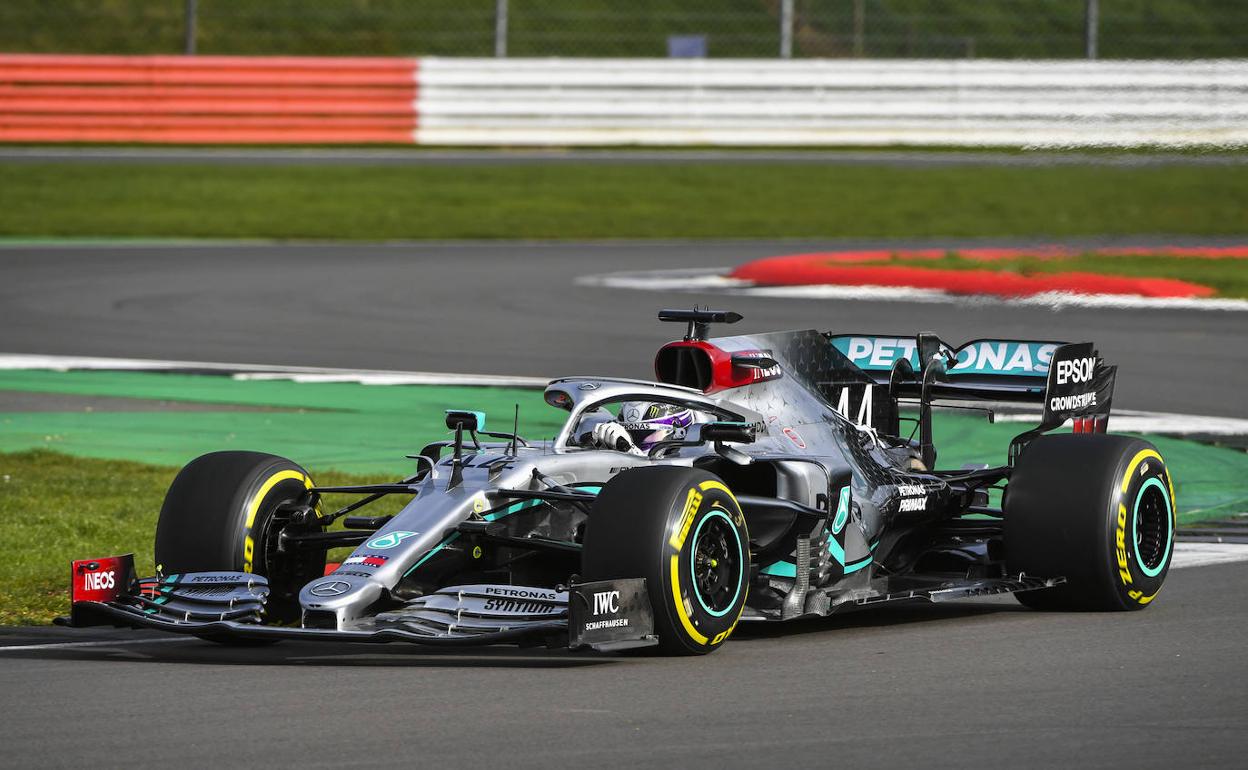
pixel 558 399
pixel 468 420
pixel 713 432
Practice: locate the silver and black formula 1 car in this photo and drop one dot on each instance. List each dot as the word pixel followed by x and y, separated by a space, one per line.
pixel 794 493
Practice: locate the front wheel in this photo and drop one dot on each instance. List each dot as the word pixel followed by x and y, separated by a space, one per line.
pixel 682 530
pixel 1096 509
pixel 218 515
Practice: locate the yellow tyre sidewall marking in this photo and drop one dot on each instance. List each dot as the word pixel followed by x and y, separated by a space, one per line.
pixel 693 504
pixel 1120 546
pixel 253 508
pixel 679 602
pixel 1124 574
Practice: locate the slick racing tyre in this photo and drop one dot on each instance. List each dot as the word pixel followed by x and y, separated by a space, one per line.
pixel 1096 509
pixel 219 515
pixel 682 530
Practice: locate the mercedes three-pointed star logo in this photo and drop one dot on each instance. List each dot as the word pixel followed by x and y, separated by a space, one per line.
pixel 330 588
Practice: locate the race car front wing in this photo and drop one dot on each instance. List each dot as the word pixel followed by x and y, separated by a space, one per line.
pixel 227 606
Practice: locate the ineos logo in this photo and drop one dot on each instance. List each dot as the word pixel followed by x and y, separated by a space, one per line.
pixel 1075 370
pixel 606 602
pixel 330 588
pixel 99 581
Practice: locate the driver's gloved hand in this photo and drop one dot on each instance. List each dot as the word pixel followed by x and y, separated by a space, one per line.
pixel 611 435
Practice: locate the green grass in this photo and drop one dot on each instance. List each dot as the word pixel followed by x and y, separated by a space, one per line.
pixel 740 28
pixel 1228 276
pixel 587 200
pixel 55 508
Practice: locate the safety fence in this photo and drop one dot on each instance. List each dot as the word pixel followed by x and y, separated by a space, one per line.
pixel 434 101
pixel 619 29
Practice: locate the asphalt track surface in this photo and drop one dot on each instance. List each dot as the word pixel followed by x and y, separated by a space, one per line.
pixel 977 684
pixel 514 308
pixel 982 683
pixel 454 157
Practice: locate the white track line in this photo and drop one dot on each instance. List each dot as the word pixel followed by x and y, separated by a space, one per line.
pixel 716 279
pixel 1205 554
pixel 266 372
pixel 119 643
pixel 1165 423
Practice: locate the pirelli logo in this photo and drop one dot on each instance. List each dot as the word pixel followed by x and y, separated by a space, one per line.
pixel 692 504
pixel 1124 574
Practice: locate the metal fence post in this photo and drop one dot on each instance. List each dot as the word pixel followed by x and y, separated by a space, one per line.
pixel 500 28
pixel 786 29
pixel 1091 30
pixel 191 13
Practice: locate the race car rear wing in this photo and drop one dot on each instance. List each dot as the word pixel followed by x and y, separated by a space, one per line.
pixel 1070 381
pixel 1003 370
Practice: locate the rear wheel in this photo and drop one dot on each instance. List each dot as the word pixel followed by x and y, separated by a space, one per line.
pixel 1098 510
pixel 682 530
pixel 219 515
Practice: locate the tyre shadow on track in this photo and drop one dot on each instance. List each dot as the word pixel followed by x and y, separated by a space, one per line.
pixel 304 654
pixel 880 616
pixel 182 650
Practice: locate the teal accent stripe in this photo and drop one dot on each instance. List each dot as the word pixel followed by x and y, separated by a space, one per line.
pixel 432 551
pixel 875 545
pixel 513 508
pixel 789 569
pixel 849 568
pixel 842 511
pixel 1135 524
pixel 836 550
pixel 780 569
pixel 741 559
pixel 592 489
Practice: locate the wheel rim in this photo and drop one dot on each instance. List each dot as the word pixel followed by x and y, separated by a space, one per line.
pixel 1153 527
pixel 715 563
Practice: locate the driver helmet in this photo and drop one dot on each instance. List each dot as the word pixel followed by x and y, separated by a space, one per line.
pixel 649 422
